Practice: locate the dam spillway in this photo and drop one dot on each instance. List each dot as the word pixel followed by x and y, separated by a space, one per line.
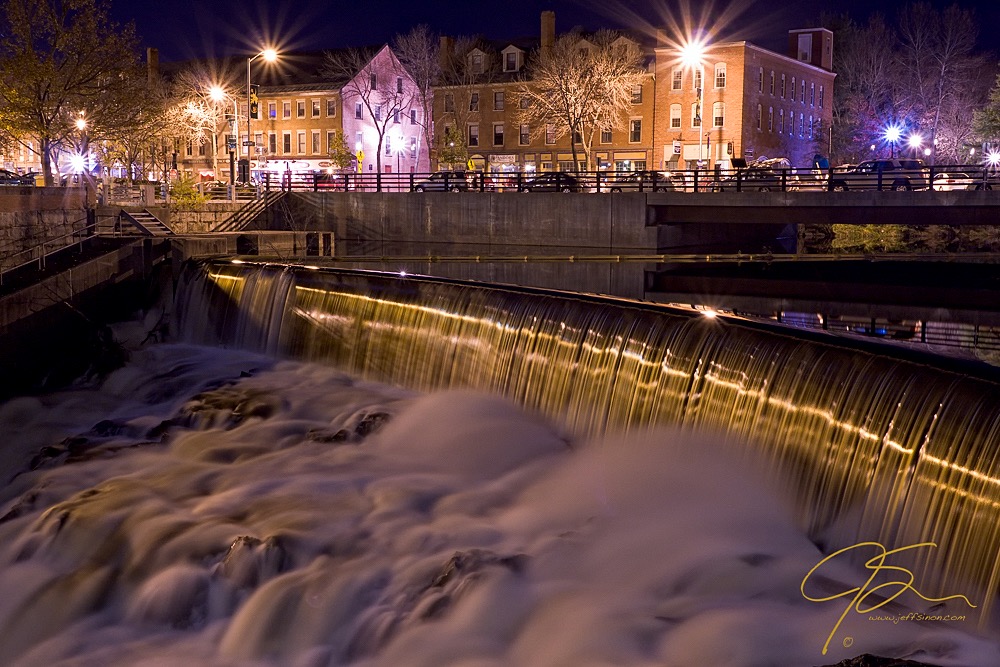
pixel 874 446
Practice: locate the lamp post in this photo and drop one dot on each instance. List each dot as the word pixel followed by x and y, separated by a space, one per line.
pixel 269 55
pixel 892 135
pixel 692 56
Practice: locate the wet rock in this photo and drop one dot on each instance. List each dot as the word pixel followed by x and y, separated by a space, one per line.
pixel 371 423
pixel 251 561
pixel 868 660
pixel 464 564
pixel 226 407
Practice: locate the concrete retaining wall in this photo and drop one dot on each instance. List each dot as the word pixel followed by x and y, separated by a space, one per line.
pixel 31 216
pixel 593 223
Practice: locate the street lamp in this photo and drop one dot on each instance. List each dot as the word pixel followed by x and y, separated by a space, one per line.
pixel 692 57
pixel 269 55
pixel 915 142
pixel 892 135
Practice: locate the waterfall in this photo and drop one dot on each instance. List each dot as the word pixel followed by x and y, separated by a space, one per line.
pixel 876 447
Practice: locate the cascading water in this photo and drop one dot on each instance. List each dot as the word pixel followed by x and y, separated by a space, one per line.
pixel 227 507
pixel 878 448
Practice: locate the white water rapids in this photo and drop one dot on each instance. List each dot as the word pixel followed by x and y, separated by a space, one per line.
pixel 211 507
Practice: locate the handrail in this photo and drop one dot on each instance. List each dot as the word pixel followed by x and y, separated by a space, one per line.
pixel 86 233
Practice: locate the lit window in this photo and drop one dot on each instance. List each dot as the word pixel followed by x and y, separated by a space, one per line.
pixel 272 109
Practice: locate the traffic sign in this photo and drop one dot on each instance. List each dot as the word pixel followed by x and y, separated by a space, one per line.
pixel 249 143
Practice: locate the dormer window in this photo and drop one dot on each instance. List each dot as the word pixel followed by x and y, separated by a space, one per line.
pixel 510 61
pixel 476 62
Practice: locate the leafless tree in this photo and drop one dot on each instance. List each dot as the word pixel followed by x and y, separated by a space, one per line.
pixel 370 78
pixel 581 87
pixel 419 52
pixel 468 63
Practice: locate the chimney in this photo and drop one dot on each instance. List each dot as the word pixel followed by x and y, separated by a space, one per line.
pixel 548 32
pixel 447 45
pixel 152 66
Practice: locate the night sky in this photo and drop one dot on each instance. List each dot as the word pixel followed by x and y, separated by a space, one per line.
pixel 183 29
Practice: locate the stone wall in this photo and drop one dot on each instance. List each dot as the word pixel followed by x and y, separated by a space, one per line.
pixel 30 217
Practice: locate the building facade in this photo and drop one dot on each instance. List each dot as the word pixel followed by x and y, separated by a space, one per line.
pixel 743 101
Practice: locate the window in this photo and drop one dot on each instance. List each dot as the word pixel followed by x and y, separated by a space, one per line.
pixel 272 109
pixel 791 123
pixel 718 114
pixel 770 119
pixel 697 80
pixel 413 116
pixel 413 148
pixel 315 108
pixel 636 94
pixel 772 82
pixel 476 60
pixel 378 112
pixel 331 140
pixel 373 81
pixel 605 136
pixel 272 143
pixel 189 149
pixel 792 91
pixel 286 143
pixel 399 84
pixel 473 135
pixel 782 86
pixel 474 102
pixel 395 116
pixel 524 102
pixel 449 102
pixel 720 75
pixel 388 145
pixel 498 134
pixel 286 109
pixel 331 108
pixel 550 134
pixel 258 140
pixel 524 136
pixel 802 97
pixel 357 110
pixel 805 48
pixel 498 100
pixel 821 96
pixel 300 142
pixel 760 80
pixel 357 141
pixel 812 94
pixel 677 79
pixel 635 130
pixel 315 142
pixel 510 62
pixel 781 121
pixel 802 124
pixel 759 117
pixel 201 149
pixel 675 116
pixel 300 109
pixel 810 127
pixel 695 115
pixel 577 137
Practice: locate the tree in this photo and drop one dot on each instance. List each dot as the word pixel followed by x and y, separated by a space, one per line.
pixel 371 79
pixel 581 87
pixel 987 119
pixel 419 52
pixel 59 58
pixel 339 152
pixel 453 149
pixel 467 64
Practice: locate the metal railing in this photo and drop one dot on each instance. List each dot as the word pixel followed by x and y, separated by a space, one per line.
pixel 40 253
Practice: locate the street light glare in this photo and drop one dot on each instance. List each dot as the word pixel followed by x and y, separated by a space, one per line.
pixel 915 141
pixel 270 55
pixel 692 53
pixel 892 133
pixel 217 93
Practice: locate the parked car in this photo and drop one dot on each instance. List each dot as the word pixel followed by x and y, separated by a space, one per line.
pixel 639 181
pixel 888 174
pixel 8 177
pixel 443 181
pixel 553 181
pixel 754 179
pixel 958 180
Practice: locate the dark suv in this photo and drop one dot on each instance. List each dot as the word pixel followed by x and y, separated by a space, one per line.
pixel 443 181
pixel 888 174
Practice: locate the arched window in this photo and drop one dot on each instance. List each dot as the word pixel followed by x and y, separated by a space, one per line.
pixel 758 117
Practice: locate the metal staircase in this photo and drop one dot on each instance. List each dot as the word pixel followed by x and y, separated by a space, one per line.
pixel 147 223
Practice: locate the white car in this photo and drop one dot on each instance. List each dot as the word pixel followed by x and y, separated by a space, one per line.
pixel 957 180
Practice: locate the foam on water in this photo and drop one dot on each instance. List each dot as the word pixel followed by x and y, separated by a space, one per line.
pixel 222 508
